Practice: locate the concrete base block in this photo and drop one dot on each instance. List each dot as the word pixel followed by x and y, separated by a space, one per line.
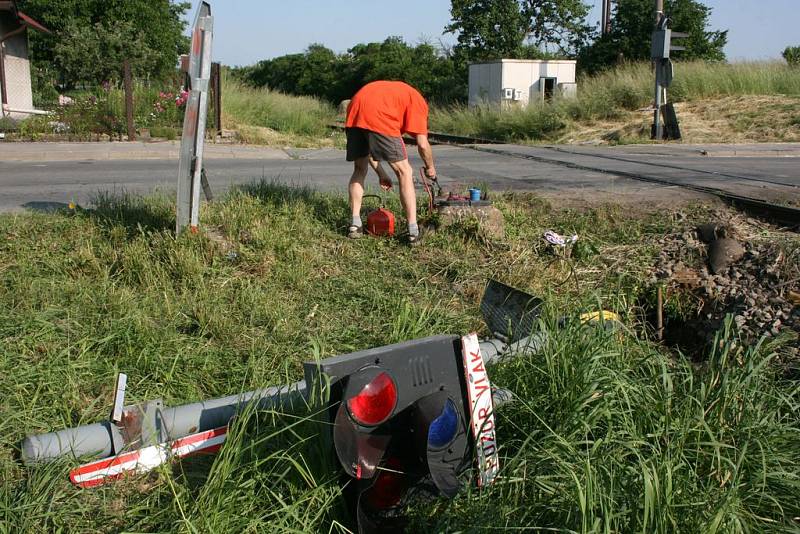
pixel 490 219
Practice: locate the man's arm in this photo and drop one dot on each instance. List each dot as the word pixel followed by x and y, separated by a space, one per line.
pixel 426 153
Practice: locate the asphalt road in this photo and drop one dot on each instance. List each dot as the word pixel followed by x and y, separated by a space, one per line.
pixel 43 175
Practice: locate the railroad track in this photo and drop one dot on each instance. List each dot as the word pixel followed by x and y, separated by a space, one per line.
pixel 786 215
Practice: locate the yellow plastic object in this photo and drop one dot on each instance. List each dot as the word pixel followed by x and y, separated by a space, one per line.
pixel 610 321
pixel 605 315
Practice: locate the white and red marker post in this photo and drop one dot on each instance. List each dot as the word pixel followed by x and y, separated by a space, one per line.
pixel 147 458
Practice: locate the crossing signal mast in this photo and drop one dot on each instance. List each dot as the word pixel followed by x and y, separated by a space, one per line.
pixel 605 17
pixel 665 121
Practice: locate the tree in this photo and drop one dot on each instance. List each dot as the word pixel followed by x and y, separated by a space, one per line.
pixel 487 29
pixel 91 37
pixel 558 23
pixel 322 73
pixel 632 27
pixel 95 53
pixel 497 29
pixel 792 55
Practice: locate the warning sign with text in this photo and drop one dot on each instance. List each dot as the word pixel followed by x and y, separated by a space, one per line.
pixel 479 392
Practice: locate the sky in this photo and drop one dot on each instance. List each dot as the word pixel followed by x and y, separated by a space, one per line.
pixel 246 31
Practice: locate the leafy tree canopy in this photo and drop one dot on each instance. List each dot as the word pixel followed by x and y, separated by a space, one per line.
pixel 792 55
pixel 494 29
pixel 487 29
pixel 558 25
pixel 91 38
pixel 632 27
pixel 321 72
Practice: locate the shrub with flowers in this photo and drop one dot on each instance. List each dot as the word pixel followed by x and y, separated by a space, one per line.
pixel 102 111
pixel 182 97
pixel 166 109
pixel 86 114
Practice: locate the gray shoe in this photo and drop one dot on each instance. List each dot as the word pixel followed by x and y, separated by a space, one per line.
pixel 355 232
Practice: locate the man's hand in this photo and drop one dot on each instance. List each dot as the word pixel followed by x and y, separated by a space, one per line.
pixel 430 172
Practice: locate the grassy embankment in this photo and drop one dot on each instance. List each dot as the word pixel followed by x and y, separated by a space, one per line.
pixel 715 102
pixel 743 102
pixel 609 434
pixel 265 117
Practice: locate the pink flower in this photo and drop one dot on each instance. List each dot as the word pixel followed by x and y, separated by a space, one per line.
pixel 181 99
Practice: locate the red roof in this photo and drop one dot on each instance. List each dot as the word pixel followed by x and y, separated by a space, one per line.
pixel 29 22
pixel 22 18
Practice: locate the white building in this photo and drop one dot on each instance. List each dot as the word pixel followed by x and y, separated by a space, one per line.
pixel 15 69
pixel 520 81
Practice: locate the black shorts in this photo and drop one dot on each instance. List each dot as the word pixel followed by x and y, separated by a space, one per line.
pixel 362 143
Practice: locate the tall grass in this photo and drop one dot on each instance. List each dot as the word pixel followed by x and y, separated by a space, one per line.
pixel 612 93
pixel 244 105
pixel 608 434
pixel 615 437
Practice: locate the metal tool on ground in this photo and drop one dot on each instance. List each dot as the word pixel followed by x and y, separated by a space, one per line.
pixel 456 209
pixel 474 197
pixel 381 221
pixel 402 414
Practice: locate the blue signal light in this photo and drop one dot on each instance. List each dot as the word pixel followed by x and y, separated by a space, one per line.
pixel 443 429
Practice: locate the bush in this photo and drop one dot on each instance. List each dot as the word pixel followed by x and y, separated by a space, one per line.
pixel 792 55
pixel 34 127
pixel 45 95
pixel 321 73
pixel 102 111
pixel 167 132
pixel 7 124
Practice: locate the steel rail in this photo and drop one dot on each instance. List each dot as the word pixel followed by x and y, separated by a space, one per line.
pixel 784 214
pixel 668 166
pixel 458 140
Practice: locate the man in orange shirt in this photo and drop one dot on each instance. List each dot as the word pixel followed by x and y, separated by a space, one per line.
pixel 377 117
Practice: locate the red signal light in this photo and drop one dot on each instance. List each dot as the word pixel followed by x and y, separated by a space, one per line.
pixel 375 402
pixel 389 487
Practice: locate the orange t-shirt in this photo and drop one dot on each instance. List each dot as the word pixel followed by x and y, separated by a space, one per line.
pixel 388 108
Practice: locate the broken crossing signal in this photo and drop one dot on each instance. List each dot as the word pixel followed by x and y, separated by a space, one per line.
pixel 442 441
pixel 401 418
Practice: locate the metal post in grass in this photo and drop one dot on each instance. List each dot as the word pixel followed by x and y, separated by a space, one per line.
pixel 605 25
pixel 190 168
pixel 128 83
pixel 661 49
pixel 657 127
pixel 216 95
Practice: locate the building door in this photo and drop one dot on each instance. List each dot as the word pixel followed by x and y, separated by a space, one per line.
pixel 547 86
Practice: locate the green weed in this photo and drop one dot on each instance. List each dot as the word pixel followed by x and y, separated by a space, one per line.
pixel 608 433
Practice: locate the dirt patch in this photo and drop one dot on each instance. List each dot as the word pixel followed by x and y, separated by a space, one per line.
pixel 734 119
pixel 755 290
